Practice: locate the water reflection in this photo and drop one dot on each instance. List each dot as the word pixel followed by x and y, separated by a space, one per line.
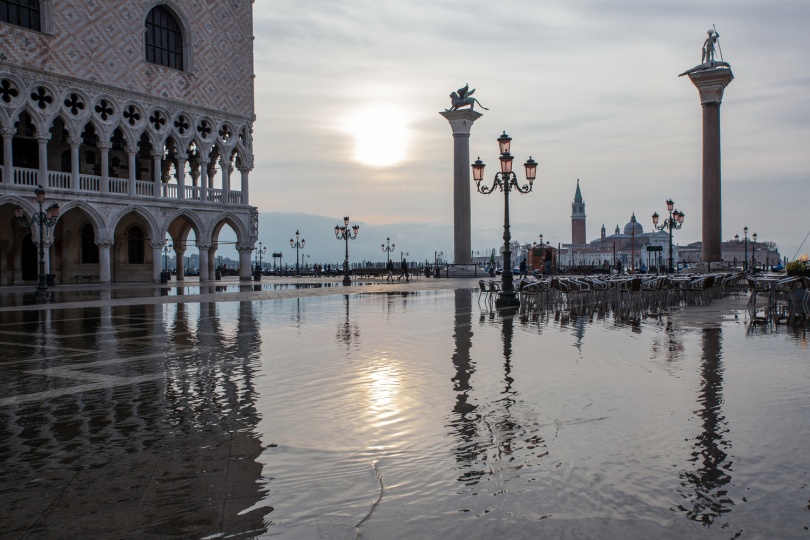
pixel 707 498
pixel 348 332
pixel 143 415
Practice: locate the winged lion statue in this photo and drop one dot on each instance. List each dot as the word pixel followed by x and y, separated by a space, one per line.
pixel 462 98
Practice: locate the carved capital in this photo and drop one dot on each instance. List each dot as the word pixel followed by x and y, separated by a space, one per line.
pixel 43 137
pixel 157 155
pixel 105 243
pixel 203 245
pixel 244 247
pixel 74 143
pixel 156 245
pixel 711 83
pixel 104 146
pixel 461 121
pixel 181 157
pixel 8 132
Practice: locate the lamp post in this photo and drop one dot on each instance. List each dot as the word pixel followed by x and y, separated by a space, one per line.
pixel 343 233
pixel 43 219
pixel 754 251
pixel 166 249
pixel 261 251
pixel 506 181
pixel 744 241
pixel 633 243
pixel 541 241
pixel 298 243
pixel 675 221
pixel 387 249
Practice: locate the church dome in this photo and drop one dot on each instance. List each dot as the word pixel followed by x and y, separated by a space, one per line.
pixel 628 229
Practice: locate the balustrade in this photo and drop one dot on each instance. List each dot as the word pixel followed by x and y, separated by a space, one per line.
pixel 89 182
pixel 26 177
pixel 58 180
pixel 118 185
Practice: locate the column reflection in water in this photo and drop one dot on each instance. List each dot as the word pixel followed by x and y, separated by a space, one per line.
pixel 464 420
pixel 706 487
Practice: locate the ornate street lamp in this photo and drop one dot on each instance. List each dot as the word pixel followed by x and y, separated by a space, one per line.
pixel 298 243
pixel 166 249
pixel 506 181
pixel 388 250
pixel 754 251
pixel 744 241
pixel 43 219
pixel 675 221
pixel 343 233
pixel 260 251
pixel 541 241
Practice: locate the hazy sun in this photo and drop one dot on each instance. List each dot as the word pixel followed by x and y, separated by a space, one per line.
pixel 380 135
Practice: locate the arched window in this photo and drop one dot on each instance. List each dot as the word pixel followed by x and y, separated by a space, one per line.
pixel 135 245
pixel 23 13
pixel 89 247
pixel 164 39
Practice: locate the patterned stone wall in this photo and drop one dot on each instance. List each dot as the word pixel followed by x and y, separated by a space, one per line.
pixel 103 42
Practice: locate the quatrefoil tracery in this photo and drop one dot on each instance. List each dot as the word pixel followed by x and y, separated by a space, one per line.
pixel 8 91
pixel 42 97
pixel 75 104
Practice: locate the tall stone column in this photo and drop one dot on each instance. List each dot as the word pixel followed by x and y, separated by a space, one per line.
pixel 203 249
pixel 710 84
pixel 132 169
pixel 42 140
pixel 180 264
pixel 104 274
pixel 8 155
pixel 75 164
pixel 244 261
pixel 157 267
pixel 461 123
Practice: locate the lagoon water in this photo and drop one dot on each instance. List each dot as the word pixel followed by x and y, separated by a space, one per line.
pixel 416 415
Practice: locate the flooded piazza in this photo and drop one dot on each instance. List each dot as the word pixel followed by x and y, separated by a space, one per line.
pixel 399 412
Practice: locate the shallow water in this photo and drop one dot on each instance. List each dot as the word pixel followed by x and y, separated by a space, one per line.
pixel 411 415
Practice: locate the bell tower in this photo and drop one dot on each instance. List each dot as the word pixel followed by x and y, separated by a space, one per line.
pixel 578 218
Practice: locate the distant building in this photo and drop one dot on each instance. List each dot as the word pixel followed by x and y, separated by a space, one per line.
pixel 578 218
pixel 733 253
pixel 136 118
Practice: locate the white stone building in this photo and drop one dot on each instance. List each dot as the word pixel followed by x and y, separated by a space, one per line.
pixel 136 118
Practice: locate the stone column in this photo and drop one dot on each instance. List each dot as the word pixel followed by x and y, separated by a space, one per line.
pixel 204 163
pixel 461 123
pixel 75 163
pixel 157 174
pixel 133 174
pixel 245 184
pixel 226 166
pixel 195 178
pixel 181 176
pixel 244 250
pixel 104 260
pixel 42 139
pixel 212 261
pixel 203 248
pixel 710 84
pixel 104 150
pixel 180 262
pixel 8 155
pixel 157 267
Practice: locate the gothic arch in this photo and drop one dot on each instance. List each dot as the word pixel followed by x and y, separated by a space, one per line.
pixel 96 219
pixel 154 228
pixel 242 235
pixel 192 218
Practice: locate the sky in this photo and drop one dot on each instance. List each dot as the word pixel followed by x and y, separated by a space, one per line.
pixel 348 95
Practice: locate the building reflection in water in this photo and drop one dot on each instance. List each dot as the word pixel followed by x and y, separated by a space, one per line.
pixel 164 438
pixel 706 487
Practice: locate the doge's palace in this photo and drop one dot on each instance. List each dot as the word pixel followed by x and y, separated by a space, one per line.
pixel 136 119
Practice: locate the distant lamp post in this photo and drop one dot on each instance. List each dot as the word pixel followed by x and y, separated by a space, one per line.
pixel 541 241
pixel 343 233
pixel 388 249
pixel 506 181
pixel 745 242
pixel 675 221
pixel 43 219
pixel 166 249
pixel 298 243
pixel 754 251
pixel 261 251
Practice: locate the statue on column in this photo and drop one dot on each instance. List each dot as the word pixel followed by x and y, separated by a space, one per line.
pixel 710 46
pixel 462 98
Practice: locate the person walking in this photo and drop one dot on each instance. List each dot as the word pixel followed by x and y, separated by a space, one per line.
pixel 390 268
pixel 523 267
pixel 404 267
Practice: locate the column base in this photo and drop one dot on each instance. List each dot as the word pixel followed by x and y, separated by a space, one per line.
pixel 507 300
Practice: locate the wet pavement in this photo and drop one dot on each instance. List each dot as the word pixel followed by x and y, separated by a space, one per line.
pixel 399 410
